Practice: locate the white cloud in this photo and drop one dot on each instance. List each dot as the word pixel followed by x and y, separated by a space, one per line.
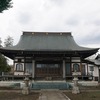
pixel 81 17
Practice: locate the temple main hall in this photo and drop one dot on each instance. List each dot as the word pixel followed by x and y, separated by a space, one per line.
pixel 49 56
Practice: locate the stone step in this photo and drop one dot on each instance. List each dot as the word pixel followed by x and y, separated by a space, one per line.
pixel 48 85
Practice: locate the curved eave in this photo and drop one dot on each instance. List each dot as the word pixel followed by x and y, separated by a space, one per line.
pixel 82 53
pixel 52 50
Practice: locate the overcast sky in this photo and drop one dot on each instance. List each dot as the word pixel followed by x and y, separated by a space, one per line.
pixel 81 17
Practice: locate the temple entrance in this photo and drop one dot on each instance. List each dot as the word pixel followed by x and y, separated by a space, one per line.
pixel 51 70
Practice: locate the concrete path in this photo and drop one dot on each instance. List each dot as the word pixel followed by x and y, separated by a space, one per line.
pixel 52 95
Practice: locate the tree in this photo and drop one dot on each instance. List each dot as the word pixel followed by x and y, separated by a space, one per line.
pixel 8 41
pixel 0 42
pixel 3 64
pixel 4 67
pixel 5 5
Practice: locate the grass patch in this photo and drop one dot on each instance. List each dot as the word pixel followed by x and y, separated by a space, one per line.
pixel 8 88
pixel 84 96
pixel 89 87
pixel 18 96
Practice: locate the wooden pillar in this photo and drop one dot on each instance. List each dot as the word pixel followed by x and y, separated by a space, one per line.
pixel 87 68
pixel 64 76
pixel 33 69
pixel 81 66
pixel 98 74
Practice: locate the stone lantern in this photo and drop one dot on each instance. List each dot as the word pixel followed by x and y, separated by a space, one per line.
pixel 26 89
pixel 75 89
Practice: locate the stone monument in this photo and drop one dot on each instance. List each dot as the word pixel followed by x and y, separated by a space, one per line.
pixel 75 89
pixel 26 89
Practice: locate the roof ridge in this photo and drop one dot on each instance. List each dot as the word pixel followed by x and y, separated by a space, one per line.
pixel 46 33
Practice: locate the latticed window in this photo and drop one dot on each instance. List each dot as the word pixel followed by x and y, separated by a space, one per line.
pixel 19 67
pixel 91 68
pixel 76 67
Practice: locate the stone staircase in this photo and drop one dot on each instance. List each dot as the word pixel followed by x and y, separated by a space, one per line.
pixel 62 85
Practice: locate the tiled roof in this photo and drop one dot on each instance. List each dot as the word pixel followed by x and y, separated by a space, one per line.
pixel 47 41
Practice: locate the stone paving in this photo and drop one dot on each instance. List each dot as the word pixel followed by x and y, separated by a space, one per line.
pixel 52 95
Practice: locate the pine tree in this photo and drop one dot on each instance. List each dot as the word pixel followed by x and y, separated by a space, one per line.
pixel 5 5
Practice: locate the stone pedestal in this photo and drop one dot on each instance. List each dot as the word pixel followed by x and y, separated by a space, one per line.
pixel 26 89
pixel 75 89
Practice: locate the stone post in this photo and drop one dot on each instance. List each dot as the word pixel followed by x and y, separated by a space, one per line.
pixel 75 89
pixel 64 76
